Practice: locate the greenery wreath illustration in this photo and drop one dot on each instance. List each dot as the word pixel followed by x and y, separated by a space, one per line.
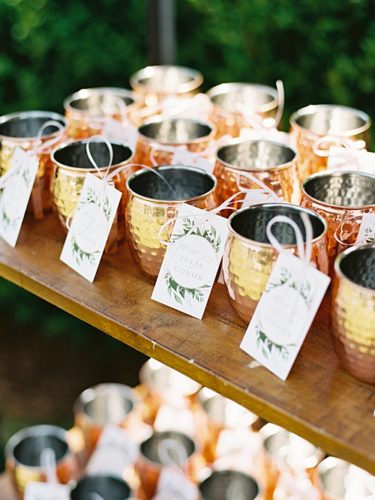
pixel 369 235
pixel 267 346
pixel 304 289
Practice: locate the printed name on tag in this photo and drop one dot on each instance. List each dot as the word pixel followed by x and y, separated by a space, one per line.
pixel 125 133
pixel 16 190
pixel 183 157
pixel 191 262
pixel 174 484
pixel 115 451
pixel 90 228
pixel 47 491
pixel 366 233
pixel 284 314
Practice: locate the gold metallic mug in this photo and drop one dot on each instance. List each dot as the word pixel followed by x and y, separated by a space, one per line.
pixel 21 130
pixel 249 257
pixel 153 199
pixel 87 110
pixel 231 99
pixel 353 311
pixel 228 485
pixel 271 162
pixel 315 121
pixel 154 83
pixel 338 196
pixel 155 139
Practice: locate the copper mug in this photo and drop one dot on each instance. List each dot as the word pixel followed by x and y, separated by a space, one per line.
pixel 101 486
pixel 249 257
pixel 158 138
pixel 153 199
pixel 25 130
pixel 154 83
pixel 271 162
pixel 87 110
pixel 338 197
pixel 101 405
pixel 229 99
pixel 24 456
pixel 315 121
pixel 228 485
pixel 353 311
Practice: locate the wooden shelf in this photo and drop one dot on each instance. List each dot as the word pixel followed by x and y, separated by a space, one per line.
pixel 319 401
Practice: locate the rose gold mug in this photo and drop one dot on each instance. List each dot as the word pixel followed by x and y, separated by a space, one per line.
pixel 249 257
pixel 158 138
pixel 353 311
pixel 153 199
pixel 271 162
pixel 338 196
pixel 315 121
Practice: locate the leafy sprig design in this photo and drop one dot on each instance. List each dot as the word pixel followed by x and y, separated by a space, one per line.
pixel 7 222
pixel 304 288
pixel 80 255
pixel 189 226
pixel 267 346
pixel 369 235
pixel 180 293
pixel 285 276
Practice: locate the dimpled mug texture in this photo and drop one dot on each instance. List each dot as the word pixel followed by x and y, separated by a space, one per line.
pixel 249 257
pixel 270 162
pixel 353 311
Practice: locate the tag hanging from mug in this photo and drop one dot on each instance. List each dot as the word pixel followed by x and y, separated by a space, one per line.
pixel 288 305
pixel 366 233
pixel 47 491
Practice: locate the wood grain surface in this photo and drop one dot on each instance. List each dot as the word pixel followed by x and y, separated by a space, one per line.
pixel 319 401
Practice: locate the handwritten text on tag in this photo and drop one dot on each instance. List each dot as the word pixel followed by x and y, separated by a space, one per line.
pixel 16 193
pixel 90 228
pixel 366 233
pixel 182 157
pixel 191 262
pixel 284 314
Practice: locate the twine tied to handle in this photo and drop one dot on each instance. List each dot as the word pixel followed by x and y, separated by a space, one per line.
pixel 48 463
pixel 347 150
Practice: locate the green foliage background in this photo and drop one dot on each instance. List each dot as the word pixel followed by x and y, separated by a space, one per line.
pixel 323 50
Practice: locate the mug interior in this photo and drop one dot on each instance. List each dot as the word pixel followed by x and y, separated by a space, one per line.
pixel 242 97
pixel 164 78
pixel 75 155
pixel 177 131
pixel 100 103
pixel 359 266
pixel 222 485
pixel 175 183
pixel 29 127
pixel 29 450
pixel 105 486
pixel 331 120
pixel 151 447
pixel 345 189
pixel 256 155
pixel 252 223
pixel 106 404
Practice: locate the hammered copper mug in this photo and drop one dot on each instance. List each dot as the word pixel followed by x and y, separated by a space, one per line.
pixel 315 121
pixel 153 199
pixel 353 311
pixel 338 196
pixel 26 130
pixel 249 257
pixel 271 162
pixel 158 138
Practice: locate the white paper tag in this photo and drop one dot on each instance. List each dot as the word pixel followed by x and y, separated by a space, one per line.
pixel 124 133
pixel 344 158
pixel 90 228
pixel 197 107
pixel 183 157
pixel 174 485
pixel 265 134
pixel 366 233
pixel 284 314
pixel 16 193
pixel 47 491
pixel 255 196
pixel 190 264
pixel 115 451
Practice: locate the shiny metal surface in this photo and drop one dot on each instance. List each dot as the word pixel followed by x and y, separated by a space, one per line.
pixel 105 487
pixel 151 203
pixel 271 162
pixel 338 197
pixel 312 122
pixel 194 135
pixel 249 257
pixel 150 448
pixel 353 311
pixel 229 99
pixel 229 485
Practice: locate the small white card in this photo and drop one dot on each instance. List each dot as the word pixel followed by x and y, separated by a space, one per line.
pixel 284 314
pixel 124 133
pixel 183 157
pixel 173 484
pixel 191 263
pixel 366 233
pixel 15 195
pixel 272 134
pixel 47 491
pixel 344 158
pixel 90 228
pixel 255 196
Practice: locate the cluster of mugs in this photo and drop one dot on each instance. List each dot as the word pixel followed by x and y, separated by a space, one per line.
pixel 218 449
pixel 296 175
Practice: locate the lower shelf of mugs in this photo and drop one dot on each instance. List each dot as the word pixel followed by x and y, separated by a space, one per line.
pixel 319 401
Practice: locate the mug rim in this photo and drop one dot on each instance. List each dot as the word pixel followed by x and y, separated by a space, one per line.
pixel 89 91
pixel 313 108
pixel 151 140
pixel 234 233
pixel 49 115
pixel 335 173
pixel 171 167
pixel 149 71
pixel 339 273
